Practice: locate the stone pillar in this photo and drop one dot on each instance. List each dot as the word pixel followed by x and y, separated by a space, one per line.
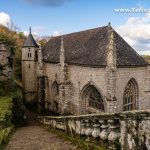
pixel 114 133
pixel 64 84
pixel 104 130
pixel 96 130
pixel 40 62
pixel 41 92
pixel 130 138
pixel 111 72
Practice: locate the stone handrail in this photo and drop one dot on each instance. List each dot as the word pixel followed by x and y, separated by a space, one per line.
pixel 129 130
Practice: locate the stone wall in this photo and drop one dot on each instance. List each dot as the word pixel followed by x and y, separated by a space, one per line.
pixel 126 130
pixel 79 77
pixel 6 63
pixel 123 75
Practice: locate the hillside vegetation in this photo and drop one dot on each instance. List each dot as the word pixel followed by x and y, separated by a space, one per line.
pixel 147 58
pixel 14 42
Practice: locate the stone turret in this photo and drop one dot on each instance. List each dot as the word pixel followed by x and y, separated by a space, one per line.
pixel 29 68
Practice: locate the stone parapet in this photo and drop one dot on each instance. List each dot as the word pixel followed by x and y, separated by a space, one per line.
pixel 127 130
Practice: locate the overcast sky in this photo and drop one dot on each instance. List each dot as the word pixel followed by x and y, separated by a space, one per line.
pixel 54 17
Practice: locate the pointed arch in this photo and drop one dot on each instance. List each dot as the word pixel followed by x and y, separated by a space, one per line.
pixel 55 96
pixel 91 97
pixel 131 95
pixel 55 89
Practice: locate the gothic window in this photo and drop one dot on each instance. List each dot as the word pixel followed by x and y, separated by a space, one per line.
pixel 55 91
pixel 92 98
pixel 95 99
pixel 130 96
pixel 29 53
pixel 29 66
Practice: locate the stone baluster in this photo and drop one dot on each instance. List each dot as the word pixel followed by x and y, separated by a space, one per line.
pixel 96 130
pixel 54 124
pixel 51 123
pixel 45 121
pixel 89 129
pixel 104 130
pixel 78 127
pixel 114 133
pixel 83 127
pixel 59 125
pixel 62 124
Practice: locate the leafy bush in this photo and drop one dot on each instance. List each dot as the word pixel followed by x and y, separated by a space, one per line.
pixel 5 112
pixel 6 125
pixel 4 134
pixel 7 87
pixel 18 110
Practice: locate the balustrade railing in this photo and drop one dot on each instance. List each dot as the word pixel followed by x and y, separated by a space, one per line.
pixel 120 129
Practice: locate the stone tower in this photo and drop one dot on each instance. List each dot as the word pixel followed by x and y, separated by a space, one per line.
pixel 29 69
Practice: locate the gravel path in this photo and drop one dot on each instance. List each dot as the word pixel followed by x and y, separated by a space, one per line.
pixel 37 138
pixel 34 137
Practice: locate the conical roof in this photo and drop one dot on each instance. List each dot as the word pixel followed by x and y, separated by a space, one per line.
pixel 30 42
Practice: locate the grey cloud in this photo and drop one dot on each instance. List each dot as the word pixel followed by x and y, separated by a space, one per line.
pixel 48 2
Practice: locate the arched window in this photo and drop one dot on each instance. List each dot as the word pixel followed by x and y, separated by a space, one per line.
pixel 55 89
pixel 91 98
pixel 130 96
pixel 95 99
pixel 55 96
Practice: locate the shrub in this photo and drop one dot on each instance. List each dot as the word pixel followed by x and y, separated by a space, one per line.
pixel 6 125
pixel 18 110
pixel 7 87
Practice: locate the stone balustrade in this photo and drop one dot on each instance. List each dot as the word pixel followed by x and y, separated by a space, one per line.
pixel 127 130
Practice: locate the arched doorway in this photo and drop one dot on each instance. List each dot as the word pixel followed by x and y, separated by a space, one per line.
pixel 55 96
pixel 91 99
pixel 130 96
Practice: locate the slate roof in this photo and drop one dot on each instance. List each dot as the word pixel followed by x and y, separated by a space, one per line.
pixel 89 48
pixel 30 42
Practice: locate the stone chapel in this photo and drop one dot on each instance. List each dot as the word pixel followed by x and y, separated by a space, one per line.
pixel 92 71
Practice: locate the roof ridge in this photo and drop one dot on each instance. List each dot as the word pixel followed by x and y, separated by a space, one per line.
pixel 89 47
pixel 80 31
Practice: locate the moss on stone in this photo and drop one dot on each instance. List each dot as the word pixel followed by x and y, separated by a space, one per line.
pixel 82 143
